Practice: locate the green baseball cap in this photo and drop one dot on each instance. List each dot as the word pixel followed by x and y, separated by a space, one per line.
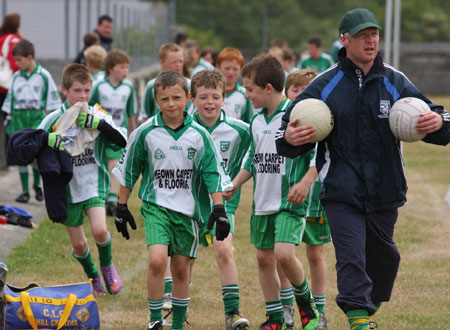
pixel 356 20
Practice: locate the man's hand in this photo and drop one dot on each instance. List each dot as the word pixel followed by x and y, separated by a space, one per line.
pixel 219 216
pixel 298 136
pixel 123 215
pixel 86 120
pixel 55 141
pixel 429 122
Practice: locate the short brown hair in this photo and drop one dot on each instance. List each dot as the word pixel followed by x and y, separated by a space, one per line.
pixel 169 79
pixel 23 48
pixel 207 79
pixel 114 57
pixel 95 56
pixel 315 41
pixel 300 78
pixel 75 72
pixel 165 49
pixel 90 39
pixel 230 54
pixel 265 70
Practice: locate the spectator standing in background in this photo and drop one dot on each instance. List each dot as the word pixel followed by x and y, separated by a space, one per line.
pixel 9 32
pixel 89 39
pixel 104 30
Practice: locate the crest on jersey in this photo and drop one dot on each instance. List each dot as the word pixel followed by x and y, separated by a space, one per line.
pixel 224 145
pixel 83 315
pixel 159 154
pixel 191 153
pixel 385 107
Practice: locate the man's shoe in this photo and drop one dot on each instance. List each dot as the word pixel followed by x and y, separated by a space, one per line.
pixel 308 313
pixel 167 302
pixel 112 279
pixel 97 286
pixel 24 197
pixel 288 313
pixel 39 195
pixel 322 322
pixel 234 321
pixel 155 325
pixel 272 325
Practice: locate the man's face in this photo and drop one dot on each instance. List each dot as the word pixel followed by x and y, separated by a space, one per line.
pixel 173 62
pixel 105 28
pixel 362 48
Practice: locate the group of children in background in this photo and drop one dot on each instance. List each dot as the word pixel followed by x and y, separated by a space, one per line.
pixel 199 140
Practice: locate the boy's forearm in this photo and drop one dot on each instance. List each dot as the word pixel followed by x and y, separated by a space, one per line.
pixel 124 194
pixel 131 124
pixel 310 176
pixel 242 177
pixel 217 198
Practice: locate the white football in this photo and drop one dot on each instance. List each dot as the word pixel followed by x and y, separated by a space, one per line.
pixel 316 113
pixel 403 118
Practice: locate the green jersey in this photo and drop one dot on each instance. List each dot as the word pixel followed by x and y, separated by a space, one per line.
pixel 149 108
pixel 90 169
pixel 175 166
pixel 29 97
pixel 119 101
pixel 99 76
pixel 321 64
pixel 315 208
pixel 273 174
pixel 237 106
pixel 232 138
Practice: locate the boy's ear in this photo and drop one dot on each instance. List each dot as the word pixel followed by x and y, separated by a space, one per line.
pixel 269 88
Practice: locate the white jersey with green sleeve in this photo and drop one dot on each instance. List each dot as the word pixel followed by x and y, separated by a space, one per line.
pixel 273 175
pixel 237 106
pixel 232 138
pixel 202 65
pixel 174 166
pixel 36 91
pixel 119 101
pixel 149 108
pixel 90 169
pixel 315 208
pixel 99 76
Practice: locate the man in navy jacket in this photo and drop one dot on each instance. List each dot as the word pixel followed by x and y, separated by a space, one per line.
pixel 360 163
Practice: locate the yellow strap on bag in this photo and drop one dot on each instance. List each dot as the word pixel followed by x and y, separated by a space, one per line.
pixel 27 309
pixel 70 302
pixel 71 298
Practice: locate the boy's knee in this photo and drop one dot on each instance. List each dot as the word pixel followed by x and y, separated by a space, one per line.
pixel 157 265
pixel 180 272
pixel 224 254
pixel 284 257
pixel 264 260
pixel 80 248
pixel 314 255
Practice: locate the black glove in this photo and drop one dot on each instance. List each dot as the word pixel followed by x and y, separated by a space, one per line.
pixel 219 216
pixel 123 215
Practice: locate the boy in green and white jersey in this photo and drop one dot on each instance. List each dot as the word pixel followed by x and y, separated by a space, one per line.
pixel 95 60
pixel 229 63
pixel 116 95
pixel 33 93
pixel 177 159
pixel 276 224
pixel 232 138
pixel 317 231
pixel 90 181
pixel 171 58
pixel 316 58
pixel 195 61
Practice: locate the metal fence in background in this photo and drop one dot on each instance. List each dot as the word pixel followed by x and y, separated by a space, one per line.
pixel 57 27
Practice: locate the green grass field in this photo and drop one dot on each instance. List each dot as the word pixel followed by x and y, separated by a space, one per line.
pixel 420 298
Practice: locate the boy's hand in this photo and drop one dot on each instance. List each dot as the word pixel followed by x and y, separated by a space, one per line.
pixel 298 193
pixel 86 120
pixel 219 216
pixel 55 141
pixel 123 215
